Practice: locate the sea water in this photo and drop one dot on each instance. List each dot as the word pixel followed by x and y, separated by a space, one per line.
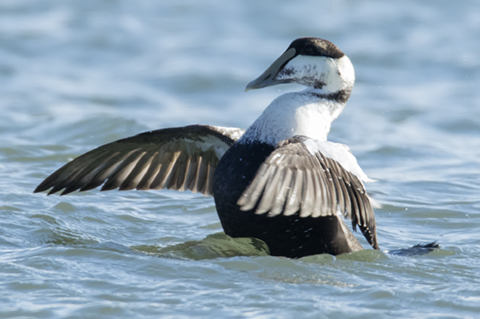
pixel 78 74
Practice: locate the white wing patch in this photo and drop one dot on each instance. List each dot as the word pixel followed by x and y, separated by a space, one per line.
pixel 340 153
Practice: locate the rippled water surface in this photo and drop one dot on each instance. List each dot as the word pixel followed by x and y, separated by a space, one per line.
pixel 78 74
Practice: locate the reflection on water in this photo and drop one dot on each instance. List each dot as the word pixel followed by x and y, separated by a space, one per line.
pixel 213 246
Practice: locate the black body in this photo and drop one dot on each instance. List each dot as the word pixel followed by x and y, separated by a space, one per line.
pixel 290 236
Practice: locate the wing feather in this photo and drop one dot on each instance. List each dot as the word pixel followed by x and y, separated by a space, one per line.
pixel 101 172
pixel 294 195
pixel 249 198
pixel 298 178
pixel 176 158
pixel 152 171
pixel 202 175
pixel 284 186
pixel 122 171
pixel 136 175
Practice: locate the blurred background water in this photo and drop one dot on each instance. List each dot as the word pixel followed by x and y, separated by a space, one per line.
pixel 78 74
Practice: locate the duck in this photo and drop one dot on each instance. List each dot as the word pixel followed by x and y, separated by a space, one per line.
pixel 280 180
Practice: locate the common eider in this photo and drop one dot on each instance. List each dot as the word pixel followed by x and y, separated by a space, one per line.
pixel 280 180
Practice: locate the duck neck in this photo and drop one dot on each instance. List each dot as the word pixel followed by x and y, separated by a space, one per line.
pixel 309 113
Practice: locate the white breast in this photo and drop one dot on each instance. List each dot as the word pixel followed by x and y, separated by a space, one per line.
pixel 299 113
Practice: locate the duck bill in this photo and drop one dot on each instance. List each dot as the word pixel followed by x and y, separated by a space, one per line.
pixel 268 77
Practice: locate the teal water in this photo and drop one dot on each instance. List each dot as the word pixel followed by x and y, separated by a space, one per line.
pixel 78 74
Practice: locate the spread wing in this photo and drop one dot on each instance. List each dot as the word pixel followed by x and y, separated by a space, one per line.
pixel 175 158
pixel 313 178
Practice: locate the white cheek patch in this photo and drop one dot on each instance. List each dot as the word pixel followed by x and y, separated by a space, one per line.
pixel 346 70
pixel 333 74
